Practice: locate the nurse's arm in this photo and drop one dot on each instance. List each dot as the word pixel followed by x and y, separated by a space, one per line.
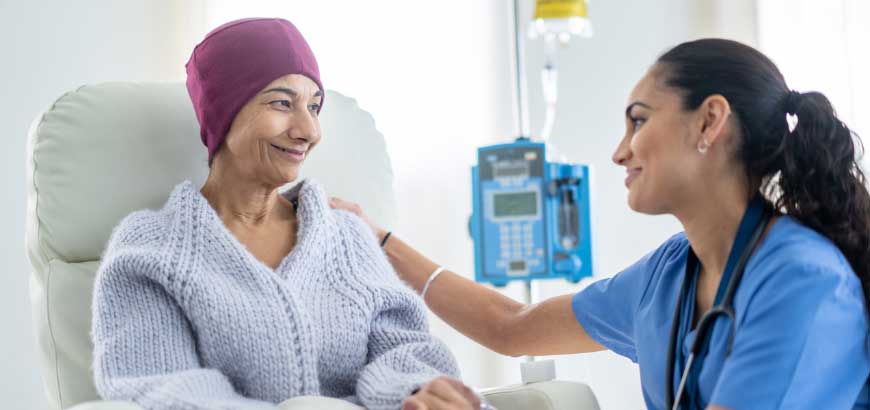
pixel 488 317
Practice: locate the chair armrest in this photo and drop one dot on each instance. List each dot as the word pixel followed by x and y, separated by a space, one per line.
pixel 296 403
pixel 106 405
pixel 317 403
pixel 548 395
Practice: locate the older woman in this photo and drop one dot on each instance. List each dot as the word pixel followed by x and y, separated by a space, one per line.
pixel 237 296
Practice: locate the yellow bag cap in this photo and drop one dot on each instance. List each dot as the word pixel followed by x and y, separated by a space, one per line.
pixel 560 9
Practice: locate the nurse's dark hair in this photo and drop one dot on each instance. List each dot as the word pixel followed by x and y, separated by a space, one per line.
pixel 812 173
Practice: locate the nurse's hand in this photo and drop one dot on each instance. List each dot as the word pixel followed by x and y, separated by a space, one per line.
pixel 354 208
pixel 443 393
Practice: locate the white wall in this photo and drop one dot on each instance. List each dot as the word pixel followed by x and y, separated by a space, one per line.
pixel 49 48
pixel 436 78
pixel 822 46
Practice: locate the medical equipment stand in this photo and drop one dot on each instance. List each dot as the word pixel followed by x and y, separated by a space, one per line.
pixel 530 371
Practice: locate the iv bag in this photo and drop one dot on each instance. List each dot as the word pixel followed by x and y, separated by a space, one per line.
pixel 559 20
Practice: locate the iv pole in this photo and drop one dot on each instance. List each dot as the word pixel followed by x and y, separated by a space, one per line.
pixel 521 110
pixel 531 370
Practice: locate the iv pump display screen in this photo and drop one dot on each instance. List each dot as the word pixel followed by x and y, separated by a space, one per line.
pixel 515 204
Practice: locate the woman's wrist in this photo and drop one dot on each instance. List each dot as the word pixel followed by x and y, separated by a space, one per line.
pixel 381 234
pixel 386 238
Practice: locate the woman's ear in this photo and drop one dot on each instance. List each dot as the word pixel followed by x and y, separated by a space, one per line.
pixel 714 113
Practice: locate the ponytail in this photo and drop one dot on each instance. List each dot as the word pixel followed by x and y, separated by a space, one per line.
pixel 819 180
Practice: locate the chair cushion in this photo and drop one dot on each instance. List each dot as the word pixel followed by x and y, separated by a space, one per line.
pixel 103 151
pixel 547 395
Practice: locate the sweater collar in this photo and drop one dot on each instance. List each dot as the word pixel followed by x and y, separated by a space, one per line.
pixel 313 216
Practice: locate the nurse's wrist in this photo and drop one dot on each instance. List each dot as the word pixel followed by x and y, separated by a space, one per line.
pixel 383 236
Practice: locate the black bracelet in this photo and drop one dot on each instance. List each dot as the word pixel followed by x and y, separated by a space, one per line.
pixel 387 236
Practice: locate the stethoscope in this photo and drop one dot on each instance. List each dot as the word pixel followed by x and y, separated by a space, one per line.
pixel 753 224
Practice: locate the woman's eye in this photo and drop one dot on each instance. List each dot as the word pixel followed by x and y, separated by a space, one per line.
pixel 313 107
pixel 637 122
pixel 280 104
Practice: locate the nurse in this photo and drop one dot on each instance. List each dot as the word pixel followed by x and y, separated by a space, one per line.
pixel 772 201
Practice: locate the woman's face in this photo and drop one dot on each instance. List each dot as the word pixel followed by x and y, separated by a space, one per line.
pixel 659 148
pixel 275 131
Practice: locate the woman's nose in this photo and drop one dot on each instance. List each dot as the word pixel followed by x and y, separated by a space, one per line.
pixel 622 153
pixel 305 126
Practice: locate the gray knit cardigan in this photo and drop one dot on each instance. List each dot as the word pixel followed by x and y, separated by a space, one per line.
pixel 184 317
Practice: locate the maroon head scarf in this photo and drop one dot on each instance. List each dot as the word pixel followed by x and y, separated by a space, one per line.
pixel 237 60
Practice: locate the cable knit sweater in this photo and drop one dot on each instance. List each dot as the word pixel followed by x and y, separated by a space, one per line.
pixel 186 318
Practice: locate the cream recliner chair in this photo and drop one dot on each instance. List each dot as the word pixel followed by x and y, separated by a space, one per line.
pixel 103 151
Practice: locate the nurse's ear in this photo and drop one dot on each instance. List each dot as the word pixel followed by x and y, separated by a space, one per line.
pixel 712 121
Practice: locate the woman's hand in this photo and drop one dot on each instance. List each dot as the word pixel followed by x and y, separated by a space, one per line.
pixel 338 203
pixel 443 393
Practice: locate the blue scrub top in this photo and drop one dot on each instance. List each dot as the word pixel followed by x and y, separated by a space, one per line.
pixel 802 328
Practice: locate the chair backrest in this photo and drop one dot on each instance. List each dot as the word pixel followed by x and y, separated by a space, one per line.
pixel 103 151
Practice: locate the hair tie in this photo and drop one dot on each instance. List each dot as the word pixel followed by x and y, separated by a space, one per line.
pixel 792 100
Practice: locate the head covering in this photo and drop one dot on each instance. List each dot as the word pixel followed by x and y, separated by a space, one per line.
pixel 237 60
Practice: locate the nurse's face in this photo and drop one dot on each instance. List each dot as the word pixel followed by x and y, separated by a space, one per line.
pixel 275 131
pixel 659 148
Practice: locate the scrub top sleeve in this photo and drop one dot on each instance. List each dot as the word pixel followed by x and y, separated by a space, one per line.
pixel 607 308
pixel 801 344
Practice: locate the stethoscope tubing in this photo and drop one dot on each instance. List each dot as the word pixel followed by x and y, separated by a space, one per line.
pixel 705 325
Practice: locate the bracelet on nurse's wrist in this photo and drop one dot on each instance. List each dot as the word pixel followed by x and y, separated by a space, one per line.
pixel 387 236
pixel 429 281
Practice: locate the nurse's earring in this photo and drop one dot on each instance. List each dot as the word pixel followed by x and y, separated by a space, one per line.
pixel 703 146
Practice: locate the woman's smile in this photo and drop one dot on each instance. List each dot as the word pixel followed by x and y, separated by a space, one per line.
pixel 632 175
pixel 293 154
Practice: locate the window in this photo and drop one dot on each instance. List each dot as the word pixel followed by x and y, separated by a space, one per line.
pixel 823 46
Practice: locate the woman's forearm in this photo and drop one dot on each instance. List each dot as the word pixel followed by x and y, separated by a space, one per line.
pixel 488 317
pixel 476 311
